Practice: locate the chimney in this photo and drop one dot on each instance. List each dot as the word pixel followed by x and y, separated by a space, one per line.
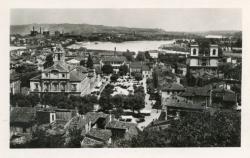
pixel 33 28
pixel 40 30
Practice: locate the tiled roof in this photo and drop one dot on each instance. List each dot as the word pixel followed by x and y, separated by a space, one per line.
pixel 90 142
pixel 180 103
pixel 36 78
pixel 59 66
pixel 135 65
pixel 94 116
pixel 22 115
pixel 196 91
pixel 114 58
pixel 173 87
pixel 120 125
pixel 99 134
pixel 76 76
pixel 139 65
pixel 81 121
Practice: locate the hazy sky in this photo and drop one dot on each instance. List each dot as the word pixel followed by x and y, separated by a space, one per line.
pixel 167 19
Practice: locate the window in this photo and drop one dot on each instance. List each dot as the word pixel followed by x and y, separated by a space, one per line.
pixel 194 51
pixel 59 57
pixel 53 117
pixel 73 87
pixel 214 51
pixel 46 74
pixel 63 75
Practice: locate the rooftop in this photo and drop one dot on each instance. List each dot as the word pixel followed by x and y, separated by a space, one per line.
pixel 22 115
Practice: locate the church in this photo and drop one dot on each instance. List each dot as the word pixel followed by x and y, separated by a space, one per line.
pixel 206 59
pixel 62 77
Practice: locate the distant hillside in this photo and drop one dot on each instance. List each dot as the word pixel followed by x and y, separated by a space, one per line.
pixel 233 33
pixel 81 29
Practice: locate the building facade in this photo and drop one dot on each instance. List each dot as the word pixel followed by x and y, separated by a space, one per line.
pixel 205 60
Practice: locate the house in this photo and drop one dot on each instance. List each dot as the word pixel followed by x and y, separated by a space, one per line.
pixel 122 130
pixel 140 67
pixel 223 98
pixel 100 129
pixel 22 120
pixel 97 137
pixel 114 61
pixel 197 95
pixel 154 53
pixel 15 83
pixel 173 88
pixel 176 106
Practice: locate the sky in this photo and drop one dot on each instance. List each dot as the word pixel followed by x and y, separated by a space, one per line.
pixel 167 19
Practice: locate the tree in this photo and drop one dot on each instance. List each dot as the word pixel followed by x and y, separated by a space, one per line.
pixel 140 56
pixel 117 100
pixel 222 129
pixel 48 61
pixel 82 63
pixel 155 79
pixel 114 78
pixel 138 76
pixel 75 138
pixel 107 69
pixel 123 70
pixel 129 56
pixel 89 62
pixel 147 56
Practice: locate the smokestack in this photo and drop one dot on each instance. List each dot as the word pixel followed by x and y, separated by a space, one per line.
pixel 40 30
pixel 33 28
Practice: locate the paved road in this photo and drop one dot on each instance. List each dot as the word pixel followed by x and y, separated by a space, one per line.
pixel 148 106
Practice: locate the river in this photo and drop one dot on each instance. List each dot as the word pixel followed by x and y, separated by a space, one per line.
pixel 133 46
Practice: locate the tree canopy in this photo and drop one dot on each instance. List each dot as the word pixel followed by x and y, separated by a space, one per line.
pixel 48 61
pixel 89 62
pixel 222 129
pixel 107 69
pixel 123 70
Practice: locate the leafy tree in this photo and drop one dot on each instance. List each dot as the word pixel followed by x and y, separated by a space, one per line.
pixel 114 78
pixel 75 138
pixel 48 61
pixel 147 56
pixel 117 100
pixel 82 63
pixel 123 70
pixel 138 76
pixel 89 62
pixel 129 56
pixel 155 79
pixel 107 69
pixel 222 129
pixel 140 56
pixel 41 139
pixel 105 99
pixel 25 77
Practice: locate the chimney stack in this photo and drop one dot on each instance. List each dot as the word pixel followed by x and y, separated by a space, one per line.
pixel 40 30
pixel 33 28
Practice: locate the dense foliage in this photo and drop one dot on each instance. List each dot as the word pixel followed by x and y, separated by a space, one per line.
pixel 107 69
pixel 223 129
